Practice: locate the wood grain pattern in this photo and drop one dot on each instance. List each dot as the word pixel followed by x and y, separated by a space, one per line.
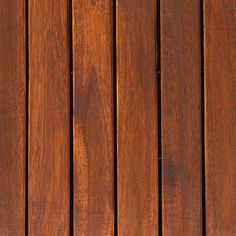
pixel 220 110
pixel 137 118
pixel 181 117
pixel 49 127
pixel 12 117
pixel 93 118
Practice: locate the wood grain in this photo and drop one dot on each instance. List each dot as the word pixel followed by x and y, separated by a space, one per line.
pixel 93 118
pixel 220 122
pixel 181 117
pixel 49 123
pixel 137 118
pixel 12 117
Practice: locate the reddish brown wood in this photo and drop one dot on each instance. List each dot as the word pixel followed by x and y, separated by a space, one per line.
pixel 181 117
pixel 49 123
pixel 220 122
pixel 12 117
pixel 137 118
pixel 93 118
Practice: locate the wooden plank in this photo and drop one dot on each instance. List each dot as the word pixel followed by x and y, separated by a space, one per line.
pixel 137 118
pixel 13 117
pixel 49 122
pixel 93 118
pixel 181 117
pixel 220 117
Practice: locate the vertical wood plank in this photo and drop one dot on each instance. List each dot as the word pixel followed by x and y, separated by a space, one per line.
pixel 137 118
pixel 220 116
pixel 181 117
pixel 12 117
pixel 49 134
pixel 93 118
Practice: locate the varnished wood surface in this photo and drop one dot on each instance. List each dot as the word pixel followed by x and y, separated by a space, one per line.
pixel 137 118
pixel 181 117
pixel 93 118
pixel 49 123
pixel 220 118
pixel 117 117
pixel 12 117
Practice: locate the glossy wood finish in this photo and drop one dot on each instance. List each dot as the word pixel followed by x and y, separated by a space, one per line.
pixel 181 117
pixel 92 91
pixel 49 123
pixel 137 118
pixel 12 117
pixel 220 122
pixel 93 118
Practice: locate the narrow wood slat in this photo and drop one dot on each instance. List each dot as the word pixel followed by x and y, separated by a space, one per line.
pixel 12 117
pixel 220 121
pixel 49 127
pixel 181 117
pixel 93 118
pixel 137 118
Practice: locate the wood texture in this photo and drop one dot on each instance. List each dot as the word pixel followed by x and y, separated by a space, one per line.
pixel 42 52
pixel 181 117
pixel 220 113
pixel 49 127
pixel 93 118
pixel 137 118
pixel 12 117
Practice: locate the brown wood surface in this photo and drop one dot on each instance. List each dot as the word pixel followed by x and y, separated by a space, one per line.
pixel 109 181
pixel 181 117
pixel 49 127
pixel 137 118
pixel 12 117
pixel 93 118
pixel 220 113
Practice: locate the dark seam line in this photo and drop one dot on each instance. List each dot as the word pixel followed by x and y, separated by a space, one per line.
pixel 115 121
pixel 27 114
pixel 71 121
pixel 158 52
pixel 203 120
